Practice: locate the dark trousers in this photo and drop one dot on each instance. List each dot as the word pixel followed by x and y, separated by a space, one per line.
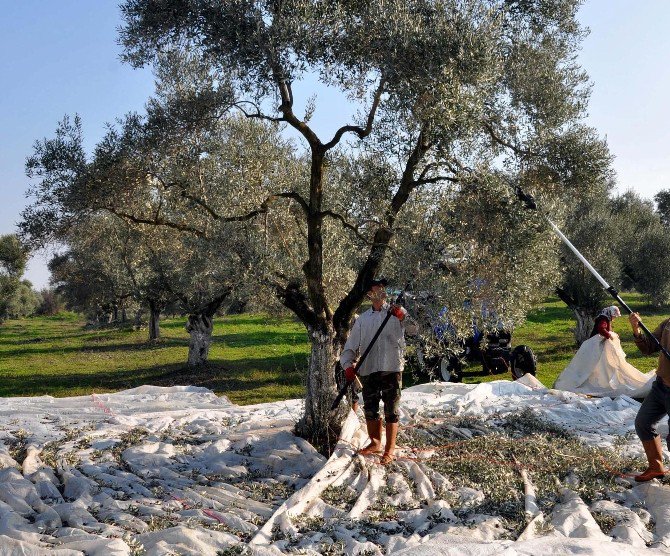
pixel 654 407
pixel 383 387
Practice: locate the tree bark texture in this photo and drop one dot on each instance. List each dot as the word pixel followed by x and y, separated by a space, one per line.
pixel 319 424
pixel 200 327
pixel 154 321
pixel 584 325
pixel 138 319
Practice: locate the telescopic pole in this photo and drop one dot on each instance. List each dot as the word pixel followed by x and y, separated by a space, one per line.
pixel 529 201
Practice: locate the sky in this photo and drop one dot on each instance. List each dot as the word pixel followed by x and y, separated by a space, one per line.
pixel 62 58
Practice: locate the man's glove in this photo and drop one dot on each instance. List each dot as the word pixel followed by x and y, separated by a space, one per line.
pixel 350 374
pixel 398 312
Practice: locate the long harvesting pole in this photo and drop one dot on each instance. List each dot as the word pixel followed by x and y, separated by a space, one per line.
pixel 529 201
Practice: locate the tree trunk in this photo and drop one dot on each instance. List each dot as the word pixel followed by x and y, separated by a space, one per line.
pixel 319 424
pixel 200 328
pixel 586 318
pixel 154 321
pixel 584 326
pixel 115 313
pixel 138 318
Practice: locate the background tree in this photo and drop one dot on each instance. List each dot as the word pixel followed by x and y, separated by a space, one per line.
pixel 13 258
pixel 51 303
pixel 662 199
pixel 638 245
pixel 593 233
pixel 120 212
pixel 24 302
pixel 200 274
pixel 653 280
pixel 92 275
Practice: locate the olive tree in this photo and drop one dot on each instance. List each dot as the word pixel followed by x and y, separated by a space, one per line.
pixel 662 199
pixel 24 302
pixel 447 93
pixel 139 210
pixel 13 258
pixel 642 235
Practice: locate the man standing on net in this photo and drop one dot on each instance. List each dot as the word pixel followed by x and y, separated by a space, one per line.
pixel 657 403
pixel 381 371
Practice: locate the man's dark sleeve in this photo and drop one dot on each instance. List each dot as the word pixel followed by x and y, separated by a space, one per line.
pixel 645 344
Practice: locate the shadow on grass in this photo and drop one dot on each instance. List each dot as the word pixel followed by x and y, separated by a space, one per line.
pixel 261 337
pixel 35 348
pixel 236 320
pixel 217 375
pixel 27 339
pixel 549 315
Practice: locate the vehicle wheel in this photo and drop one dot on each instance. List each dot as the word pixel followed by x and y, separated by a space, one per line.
pixel 524 362
pixel 450 369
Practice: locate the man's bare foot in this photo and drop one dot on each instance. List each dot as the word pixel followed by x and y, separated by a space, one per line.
pixel 370 449
pixel 387 458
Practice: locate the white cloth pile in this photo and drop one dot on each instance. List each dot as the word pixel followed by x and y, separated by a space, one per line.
pixel 599 368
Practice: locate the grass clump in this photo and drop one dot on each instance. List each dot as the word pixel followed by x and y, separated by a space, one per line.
pixel 605 521
pixel 343 497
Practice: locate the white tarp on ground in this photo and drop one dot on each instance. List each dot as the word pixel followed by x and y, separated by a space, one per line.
pixel 178 470
pixel 599 368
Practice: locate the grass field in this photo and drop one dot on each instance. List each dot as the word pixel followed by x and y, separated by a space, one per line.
pixel 253 358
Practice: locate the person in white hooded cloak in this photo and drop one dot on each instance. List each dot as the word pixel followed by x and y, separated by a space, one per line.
pixel 599 368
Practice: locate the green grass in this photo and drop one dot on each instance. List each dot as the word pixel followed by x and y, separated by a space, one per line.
pixel 548 331
pixel 253 358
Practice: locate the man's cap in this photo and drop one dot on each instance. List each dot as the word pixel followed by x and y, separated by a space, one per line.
pixel 380 281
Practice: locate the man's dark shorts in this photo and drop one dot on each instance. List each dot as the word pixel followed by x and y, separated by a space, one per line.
pixel 654 407
pixel 383 387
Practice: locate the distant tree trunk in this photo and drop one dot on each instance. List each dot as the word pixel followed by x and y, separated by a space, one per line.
pixel 115 313
pixel 200 325
pixel 584 327
pixel 154 320
pixel 138 318
pixel 200 328
pixel 585 317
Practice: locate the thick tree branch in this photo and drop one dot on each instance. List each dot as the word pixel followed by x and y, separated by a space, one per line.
pixel 362 132
pixel 154 222
pixel 566 298
pixel 294 195
pixel 346 225
pixel 292 298
pixel 437 179
pixel 212 306
pixel 286 106
pixel 498 139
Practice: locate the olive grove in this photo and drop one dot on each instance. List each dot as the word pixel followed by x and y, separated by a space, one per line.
pixel 455 104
